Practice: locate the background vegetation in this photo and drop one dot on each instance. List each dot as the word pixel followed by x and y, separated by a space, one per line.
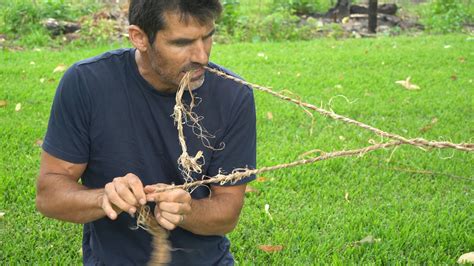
pixel 243 21
pixel 417 204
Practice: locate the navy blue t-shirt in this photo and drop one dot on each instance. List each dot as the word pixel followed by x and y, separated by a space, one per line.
pixel 106 115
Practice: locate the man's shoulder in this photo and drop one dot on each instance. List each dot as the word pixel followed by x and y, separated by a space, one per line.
pixel 223 69
pixel 100 68
pixel 113 55
pixel 96 74
pixel 227 83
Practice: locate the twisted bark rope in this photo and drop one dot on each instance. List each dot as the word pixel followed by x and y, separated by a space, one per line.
pixel 187 163
pixel 239 174
pixel 161 253
pixel 420 142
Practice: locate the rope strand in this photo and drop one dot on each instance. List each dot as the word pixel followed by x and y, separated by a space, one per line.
pixel 420 142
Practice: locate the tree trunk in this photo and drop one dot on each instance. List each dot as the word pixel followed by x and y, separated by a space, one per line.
pixel 373 16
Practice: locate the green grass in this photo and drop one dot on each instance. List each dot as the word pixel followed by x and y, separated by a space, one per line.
pixel 419 218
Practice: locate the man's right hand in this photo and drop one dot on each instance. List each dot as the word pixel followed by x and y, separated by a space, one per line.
pixel 123 194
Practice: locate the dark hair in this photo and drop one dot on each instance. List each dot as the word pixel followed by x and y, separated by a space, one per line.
pixel 149 14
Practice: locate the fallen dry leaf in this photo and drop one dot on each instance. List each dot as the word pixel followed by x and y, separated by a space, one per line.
pixel 3 103
pixel 346 196
pixel 462 60
pixel 454 77
pixel 262 179
pixel 269 116
pixel 60 68
pixel 18 107
pixel 267 211
pixel 407 84
pixel 270 248
pixel 430 125
pixel 466 258
pixel 250 189
pixel 367 240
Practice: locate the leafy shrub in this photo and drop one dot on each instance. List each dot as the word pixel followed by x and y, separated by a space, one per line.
pixel 229 19
pixel 22 18
pixel 445 16
pixel 279 25
pixel 299 7
pixel 99 31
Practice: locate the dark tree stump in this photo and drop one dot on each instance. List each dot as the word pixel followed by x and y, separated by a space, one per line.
pixel 56 27
pixel 341 10
pixel 388 9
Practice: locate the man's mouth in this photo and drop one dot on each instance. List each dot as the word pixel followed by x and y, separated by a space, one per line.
pixel 197 73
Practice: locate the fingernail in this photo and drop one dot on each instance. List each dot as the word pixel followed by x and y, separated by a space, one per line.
pixel 112 216
pixel 132 210
pixel 142 201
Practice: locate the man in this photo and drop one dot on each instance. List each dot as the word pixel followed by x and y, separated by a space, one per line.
pixel 111 127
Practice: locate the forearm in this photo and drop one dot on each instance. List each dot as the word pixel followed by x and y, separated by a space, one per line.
pixel 217 215
pixel 62 199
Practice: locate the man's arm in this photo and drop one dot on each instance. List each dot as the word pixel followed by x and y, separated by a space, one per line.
pixel 60 196
pixel 216 215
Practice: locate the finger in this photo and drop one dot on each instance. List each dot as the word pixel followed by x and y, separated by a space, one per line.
pixel 116 200
pixel 172 218
pixel 175 207
pixel 175 195
pixel 152 188
pixel 124 191
pixel 164 222
pixel 137 188
pixel 108 209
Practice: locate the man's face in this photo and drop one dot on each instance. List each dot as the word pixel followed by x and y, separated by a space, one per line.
pixel 181 47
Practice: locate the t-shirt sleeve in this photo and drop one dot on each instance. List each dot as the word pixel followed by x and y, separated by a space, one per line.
pixel 240 141
pixel 67 137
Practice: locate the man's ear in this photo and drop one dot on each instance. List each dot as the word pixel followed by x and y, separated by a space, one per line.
pixel 138 38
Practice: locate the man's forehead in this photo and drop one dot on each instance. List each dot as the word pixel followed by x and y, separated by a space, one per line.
pixel 177 23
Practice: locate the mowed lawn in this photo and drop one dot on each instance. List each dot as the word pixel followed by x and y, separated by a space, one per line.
pixel 417 205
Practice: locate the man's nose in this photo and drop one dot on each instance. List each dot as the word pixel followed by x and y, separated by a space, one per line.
pixel 200 53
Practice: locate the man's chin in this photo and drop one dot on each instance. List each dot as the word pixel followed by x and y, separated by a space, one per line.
pixel 194 84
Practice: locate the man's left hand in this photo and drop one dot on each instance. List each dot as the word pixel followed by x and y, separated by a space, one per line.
pixel 172 206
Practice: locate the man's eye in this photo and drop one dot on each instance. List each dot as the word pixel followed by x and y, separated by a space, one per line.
pixel 181 44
